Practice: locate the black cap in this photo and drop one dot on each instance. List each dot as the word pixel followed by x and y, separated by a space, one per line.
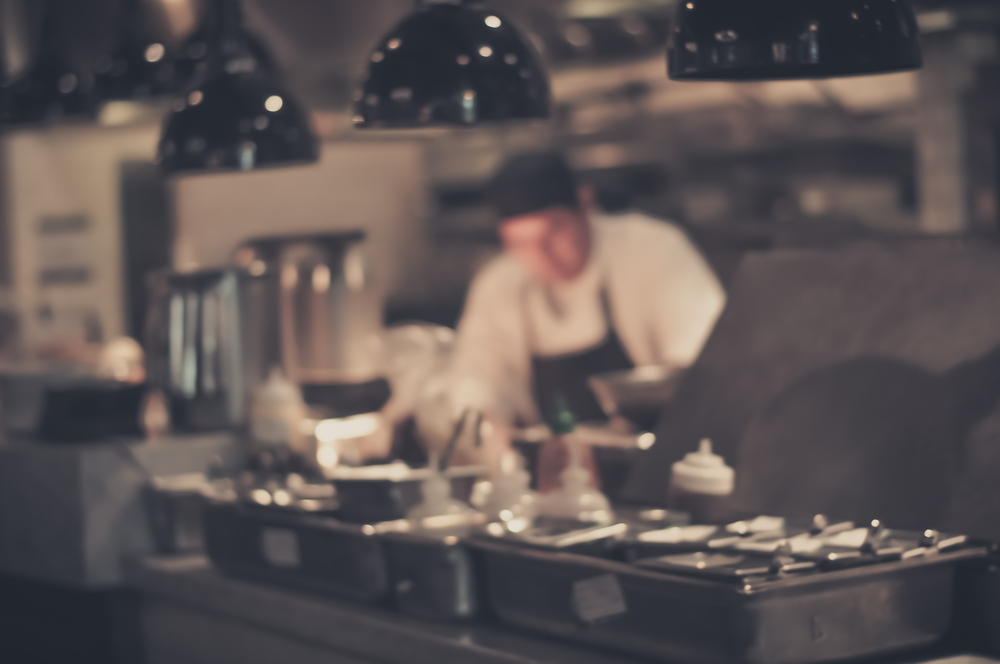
pixel 531 182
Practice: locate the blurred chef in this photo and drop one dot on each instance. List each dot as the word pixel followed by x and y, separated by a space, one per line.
pixel 575 293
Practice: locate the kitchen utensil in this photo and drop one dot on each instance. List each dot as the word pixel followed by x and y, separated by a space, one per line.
pixel 561 535
pixel 614 452
pixel 174 505
pixel 371 494
pixel 327 308
pixel 91 409
pixel 294 549
pixel 205 347
pixel 638 395
pixel 761 619
pixel 434 573
pixel 22 394
pixel 456 433
pixel 976 626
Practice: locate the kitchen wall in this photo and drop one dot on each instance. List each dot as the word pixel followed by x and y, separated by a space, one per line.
pixel 378 186
pixel 61 206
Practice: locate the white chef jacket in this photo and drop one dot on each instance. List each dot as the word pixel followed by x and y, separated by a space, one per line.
pixel 664 300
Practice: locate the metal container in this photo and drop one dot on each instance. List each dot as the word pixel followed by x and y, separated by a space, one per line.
pixel 372 494
pixel 638 395
pixel 434 574
pixel 24 391
pixel 297 550
pixel 303 303
pixel 204 350
pixel 175 505
pixel 976 626
pixel 328 313
pixel 90 410
pixel 778 619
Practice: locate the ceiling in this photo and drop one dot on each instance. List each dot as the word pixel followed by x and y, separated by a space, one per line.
pixel 323 45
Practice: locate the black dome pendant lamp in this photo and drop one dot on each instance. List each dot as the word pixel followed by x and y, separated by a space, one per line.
pixel 54 87
pixel 743 40
pixel 235 116
pixel 451 63
pixel 139 66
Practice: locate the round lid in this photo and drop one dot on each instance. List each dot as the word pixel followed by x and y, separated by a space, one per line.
pixel 703 472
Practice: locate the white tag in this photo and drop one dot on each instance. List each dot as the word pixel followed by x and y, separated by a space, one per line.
pixel 280 547
pixel 850 539
pixel 598 597
pixel 761 524
pixel 678 534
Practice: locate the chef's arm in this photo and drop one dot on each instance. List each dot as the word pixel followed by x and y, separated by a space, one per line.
pixel 491 350
pixel 685 310
pixel 489 371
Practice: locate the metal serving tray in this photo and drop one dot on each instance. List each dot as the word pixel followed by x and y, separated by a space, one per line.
pixel 434 574
pixel 374 494
pixel 299 550
pixel 768 619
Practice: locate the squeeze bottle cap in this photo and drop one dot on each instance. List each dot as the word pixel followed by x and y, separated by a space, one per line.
pixel 704 458
pixel 703 472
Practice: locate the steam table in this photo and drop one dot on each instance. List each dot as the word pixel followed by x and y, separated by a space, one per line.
pixel 192 614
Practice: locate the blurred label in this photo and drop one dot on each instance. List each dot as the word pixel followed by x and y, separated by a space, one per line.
pixel 597 598
pixel 65 250
pixel 280 547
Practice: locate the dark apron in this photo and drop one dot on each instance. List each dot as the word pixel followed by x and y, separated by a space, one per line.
pixel 566 375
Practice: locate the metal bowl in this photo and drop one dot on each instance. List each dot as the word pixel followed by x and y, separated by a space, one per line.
pixel 637 395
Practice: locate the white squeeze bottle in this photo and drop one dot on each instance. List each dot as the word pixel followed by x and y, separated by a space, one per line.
pixel 577 499
pixel 702 485
pixel 277 411
pixel 507 498
pixel 437 498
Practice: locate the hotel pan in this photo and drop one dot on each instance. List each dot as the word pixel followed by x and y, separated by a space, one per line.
pixel 298 550
pixel 778 619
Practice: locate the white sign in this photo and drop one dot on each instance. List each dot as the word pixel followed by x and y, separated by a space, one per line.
pixel 598 597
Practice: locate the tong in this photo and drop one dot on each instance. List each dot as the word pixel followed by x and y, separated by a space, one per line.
pixel 456 433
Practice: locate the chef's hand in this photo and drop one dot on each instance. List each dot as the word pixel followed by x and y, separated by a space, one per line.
pixel 378 444
pixel 375 444
pixel 444 401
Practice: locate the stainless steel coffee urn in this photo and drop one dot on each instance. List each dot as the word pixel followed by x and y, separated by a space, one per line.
pixel 303 303
pixel 329 317
pixel 203 351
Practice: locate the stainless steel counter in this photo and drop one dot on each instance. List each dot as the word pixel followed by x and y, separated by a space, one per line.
pixel 192 614
pixel 69 512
